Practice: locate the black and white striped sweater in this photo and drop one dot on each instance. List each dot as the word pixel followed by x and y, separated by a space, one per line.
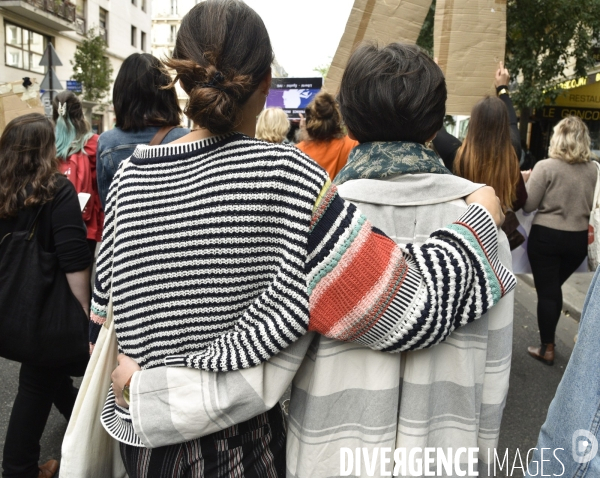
pixel 226 250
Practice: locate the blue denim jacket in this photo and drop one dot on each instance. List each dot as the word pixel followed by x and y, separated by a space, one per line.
pixel 116 145
pixel 571 433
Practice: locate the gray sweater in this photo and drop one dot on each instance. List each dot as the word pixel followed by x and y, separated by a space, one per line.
pixel 562 193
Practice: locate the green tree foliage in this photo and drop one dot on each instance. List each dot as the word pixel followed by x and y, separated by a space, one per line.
pixel 322 69
pixel 425 40
pixel 543 38
pixel 92 68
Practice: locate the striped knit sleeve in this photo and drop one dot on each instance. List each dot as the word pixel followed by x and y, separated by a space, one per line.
pixel 364 288
pixel 102 281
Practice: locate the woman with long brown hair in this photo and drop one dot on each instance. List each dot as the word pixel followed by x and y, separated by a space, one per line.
pixel 487 155
pixel 31 187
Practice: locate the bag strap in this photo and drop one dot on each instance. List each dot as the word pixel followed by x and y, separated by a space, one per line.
pixel 597 188
pixel 33 228
pixel 160 135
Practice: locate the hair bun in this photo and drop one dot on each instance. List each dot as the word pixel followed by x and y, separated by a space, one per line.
pixel 323 118
pixel 325 106
pixel 216 97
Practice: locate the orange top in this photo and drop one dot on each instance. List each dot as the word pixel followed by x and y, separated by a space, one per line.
pixel 331 155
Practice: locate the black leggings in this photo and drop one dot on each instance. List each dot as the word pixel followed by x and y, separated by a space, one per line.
pixel 39 388
pixel 554 255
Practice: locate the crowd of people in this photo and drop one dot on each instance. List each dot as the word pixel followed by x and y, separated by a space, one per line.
pixel 354 266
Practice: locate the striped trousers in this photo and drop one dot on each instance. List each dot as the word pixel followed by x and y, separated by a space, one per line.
pixel 253 449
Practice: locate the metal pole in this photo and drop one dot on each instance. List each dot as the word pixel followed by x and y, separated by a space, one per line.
pixel 50 72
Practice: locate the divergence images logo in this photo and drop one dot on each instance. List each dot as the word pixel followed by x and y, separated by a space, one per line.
pixel 585 446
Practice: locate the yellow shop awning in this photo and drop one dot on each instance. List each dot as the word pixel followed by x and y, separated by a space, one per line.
pixel 580 97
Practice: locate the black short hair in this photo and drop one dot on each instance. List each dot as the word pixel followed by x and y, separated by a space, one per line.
pixel 141 96
pixel 394 93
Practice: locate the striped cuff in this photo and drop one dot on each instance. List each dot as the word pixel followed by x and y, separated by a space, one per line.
pixel 480 223
pixel 477 228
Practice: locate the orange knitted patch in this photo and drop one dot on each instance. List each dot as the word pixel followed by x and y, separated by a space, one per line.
pixel 357 281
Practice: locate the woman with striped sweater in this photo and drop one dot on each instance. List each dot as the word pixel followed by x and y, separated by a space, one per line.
pixel 221 250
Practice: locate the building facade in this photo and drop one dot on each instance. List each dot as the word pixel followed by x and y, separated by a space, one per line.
pixel 166 18
pixel 27 26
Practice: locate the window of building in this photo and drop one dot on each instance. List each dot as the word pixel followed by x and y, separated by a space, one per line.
pixel 173 7
pixel 133 36
pixel 80 9
pixel 133 2
pixel 173 34
pixel 103 24
pixel 143 41
pixel 24 48
pixel 143 5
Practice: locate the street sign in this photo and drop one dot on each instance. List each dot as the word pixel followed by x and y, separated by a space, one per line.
pixel 73 85
pixel 50 58
pixel 51 81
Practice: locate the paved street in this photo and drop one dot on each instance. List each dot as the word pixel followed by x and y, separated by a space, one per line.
pixel 532 383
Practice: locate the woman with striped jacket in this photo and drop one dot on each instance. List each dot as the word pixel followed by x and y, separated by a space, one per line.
pixel 221 250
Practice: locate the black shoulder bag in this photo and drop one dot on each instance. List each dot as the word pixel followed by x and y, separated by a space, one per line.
pixel 41 321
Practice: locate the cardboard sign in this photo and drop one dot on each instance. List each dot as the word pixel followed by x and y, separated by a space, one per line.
pixel 469 39
pixel 378 21
pixel 293 94
pixel 15 101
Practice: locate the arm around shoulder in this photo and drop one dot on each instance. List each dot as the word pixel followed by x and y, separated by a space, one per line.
pixel 368 290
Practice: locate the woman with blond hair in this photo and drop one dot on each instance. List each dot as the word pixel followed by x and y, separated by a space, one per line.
pixel 326 141
pixel 561 188
pixel 272 125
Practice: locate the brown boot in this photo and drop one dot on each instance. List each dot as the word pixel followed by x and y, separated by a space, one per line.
pixel 544 353
pixel 48 469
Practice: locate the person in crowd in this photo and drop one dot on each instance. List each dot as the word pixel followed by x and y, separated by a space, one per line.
pixel 561 188
pixel 266 250
pixel 347 395
pixel 30 180
pixel 76 147
pixel 272 125
pixel 568 441
pixel 325 140
pixel 490 153
pixel 447 145
pixel 146 111
pixel 487 155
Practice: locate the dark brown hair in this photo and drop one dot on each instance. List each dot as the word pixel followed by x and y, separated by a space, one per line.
pixel 221 55
pixel 28 164
pixel 323 118
pixel 487 155
pixel 142 95
pixel 394 93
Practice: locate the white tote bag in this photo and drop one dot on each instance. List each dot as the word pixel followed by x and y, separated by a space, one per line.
pixel 88 450
pixel 594 227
